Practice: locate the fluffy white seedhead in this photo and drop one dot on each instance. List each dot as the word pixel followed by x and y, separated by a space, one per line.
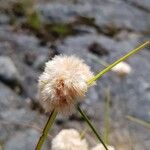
pixel 101 147
pixel 63 83
pixel 69 139
pixel 122 69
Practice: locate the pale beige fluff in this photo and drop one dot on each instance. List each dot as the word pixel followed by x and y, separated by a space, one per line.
pixel 101 147
pixel 122 69
pixel 69 139
pixel 63 83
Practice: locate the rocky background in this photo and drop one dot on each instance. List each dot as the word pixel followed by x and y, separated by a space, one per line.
pixel 98 31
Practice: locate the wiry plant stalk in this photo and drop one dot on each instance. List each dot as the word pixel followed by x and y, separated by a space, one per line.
pixel 139 121
pixel 100 74
pixel 91 126
pixel 46 129
pixel 82 134
pixel 107 117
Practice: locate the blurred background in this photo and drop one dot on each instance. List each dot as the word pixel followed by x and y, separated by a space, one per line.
pixel 100 32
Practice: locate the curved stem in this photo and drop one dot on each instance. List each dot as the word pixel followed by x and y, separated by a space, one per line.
pixel 46 129
pixel 100 74
pixel 91 126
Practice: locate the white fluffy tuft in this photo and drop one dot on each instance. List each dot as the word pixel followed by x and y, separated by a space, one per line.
pixel 122 69
pixel 69 139
pixel 63 83
pixel 101 147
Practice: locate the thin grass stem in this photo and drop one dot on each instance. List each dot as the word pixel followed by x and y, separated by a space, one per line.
pixel 107 117
pixel 46 129
pixel 100 74
pixel 139 121
pixel 91 126
pixel 82 134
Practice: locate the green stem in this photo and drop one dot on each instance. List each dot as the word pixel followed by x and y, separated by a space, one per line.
pixel 91 126
pixel 100 74
pixel 139 121
pixel 46 129
pixel 107 117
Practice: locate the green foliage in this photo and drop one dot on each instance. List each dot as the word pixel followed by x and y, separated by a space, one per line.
pixel 21 8
pixel 59 29
pixel 33 21
pixel 25 8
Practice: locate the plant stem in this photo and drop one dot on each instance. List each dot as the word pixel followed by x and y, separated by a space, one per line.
pixel 100 74
pixel 139 121
pixel 106 116
pixel 91 126
pixel 46 129
pixel 82 134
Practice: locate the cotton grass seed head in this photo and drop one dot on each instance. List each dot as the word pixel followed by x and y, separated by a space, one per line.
pixel 69 139
pixel 63 83
pixel 122 69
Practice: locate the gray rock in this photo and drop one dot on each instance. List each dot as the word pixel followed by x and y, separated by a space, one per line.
pixel 144 4
pixel 106 14
pixel 21 45
pixel 15 117
pixel 19 116
pixel 84 29
pixel 8 99
pixel 16 120
pixel 4 19
pixel 8 71
pixel 127 18
pixel 64 13
pixel 40 62
pixel 23 140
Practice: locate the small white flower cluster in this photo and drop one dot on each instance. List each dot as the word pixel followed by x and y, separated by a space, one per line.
pixel 70 139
